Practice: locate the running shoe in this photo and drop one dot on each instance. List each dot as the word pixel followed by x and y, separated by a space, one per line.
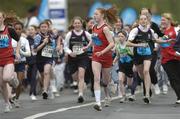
pixel 80 99
pixel 132 98
pixel 165 89
pixel 7 108
pixel 45 95
pixel 107 102
pixel 156 89
pixel 97 107
pixel 178 102
pixel 33 97
pixel 15 102
pixel 123 99
pixel 56 94
pixel 146 100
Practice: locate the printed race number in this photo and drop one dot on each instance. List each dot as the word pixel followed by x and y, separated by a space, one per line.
pixel 77 49
pixel 47 51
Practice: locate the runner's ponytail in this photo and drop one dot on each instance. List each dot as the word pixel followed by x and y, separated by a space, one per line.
pixel 109 14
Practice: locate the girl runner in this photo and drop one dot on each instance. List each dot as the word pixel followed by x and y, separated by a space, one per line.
pixel 31 62
pixel 76 42
pixel 44 45
pixel 170 60
pixel 7 60
pixel 102 55
pixel 125 61
pixel 139 38
pixel 20 63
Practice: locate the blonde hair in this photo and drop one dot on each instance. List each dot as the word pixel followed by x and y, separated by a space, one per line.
pixel 71 27
pixel 169 17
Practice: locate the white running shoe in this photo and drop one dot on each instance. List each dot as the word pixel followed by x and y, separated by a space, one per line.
pixel 123 99
pixel 56 94
pixel 7 108
pixel 10 106
pixel 165 89
pixel 132 98
pixel 53 89
pixel 178 102
pixel 156 89
pixel 33 97
pixel 51 94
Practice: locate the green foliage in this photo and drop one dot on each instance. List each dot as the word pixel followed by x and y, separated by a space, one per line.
pixel 20 7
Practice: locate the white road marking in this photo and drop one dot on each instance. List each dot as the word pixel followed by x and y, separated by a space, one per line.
pixel 62 110
pixel 68 108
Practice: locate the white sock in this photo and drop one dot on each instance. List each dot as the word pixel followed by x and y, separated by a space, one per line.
pixel 80 94
pixel 98 96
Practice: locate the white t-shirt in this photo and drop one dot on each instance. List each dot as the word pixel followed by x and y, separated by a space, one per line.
pixel 24 47
pixel 14 45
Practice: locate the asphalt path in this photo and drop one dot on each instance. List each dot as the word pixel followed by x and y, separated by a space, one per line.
pixel 66 107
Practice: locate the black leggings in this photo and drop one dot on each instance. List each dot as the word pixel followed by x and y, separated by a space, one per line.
pixel 177 44
pixel 172 68
pixel 31 75
pixel 152 71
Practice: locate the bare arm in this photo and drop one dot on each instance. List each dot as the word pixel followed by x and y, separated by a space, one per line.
pixel 163 41
pixel 109 37
pixel 59 46
pixel 18 51
pixel 117 57
pixel 90 41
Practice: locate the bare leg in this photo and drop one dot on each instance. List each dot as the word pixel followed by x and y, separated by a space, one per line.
pixel 81 73
pixel 121 84
pixel 46 81
pixel 147 79
pixel 96 67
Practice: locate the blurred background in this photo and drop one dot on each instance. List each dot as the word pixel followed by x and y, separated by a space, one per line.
pixel 61 11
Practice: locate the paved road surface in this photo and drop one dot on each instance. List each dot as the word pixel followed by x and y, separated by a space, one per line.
pixel 66 107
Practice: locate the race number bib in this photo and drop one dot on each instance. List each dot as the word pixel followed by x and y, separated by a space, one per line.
pixel 47 51
pixel 77 49
pixel 4 41
pixel 144 50
pixel 96 40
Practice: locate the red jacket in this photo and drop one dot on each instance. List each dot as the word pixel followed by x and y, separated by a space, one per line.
pixel 168 53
